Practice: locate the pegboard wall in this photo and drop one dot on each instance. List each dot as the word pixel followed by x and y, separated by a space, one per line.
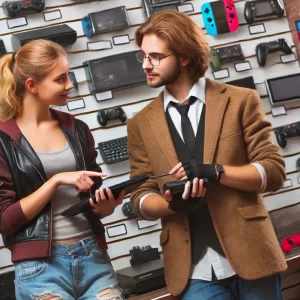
pixel 123 233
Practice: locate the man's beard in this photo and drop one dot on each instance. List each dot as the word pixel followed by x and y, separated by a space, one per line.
pixel 167 79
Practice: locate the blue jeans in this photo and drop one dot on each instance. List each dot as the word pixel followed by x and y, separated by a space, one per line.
pixel 234 288
pixel 75 271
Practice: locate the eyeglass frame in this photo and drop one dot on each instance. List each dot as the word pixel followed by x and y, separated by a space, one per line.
pixel 149 58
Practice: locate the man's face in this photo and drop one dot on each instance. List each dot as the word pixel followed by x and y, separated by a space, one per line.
pixel 169 68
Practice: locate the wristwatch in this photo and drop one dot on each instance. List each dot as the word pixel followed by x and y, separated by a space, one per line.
pixel 220 170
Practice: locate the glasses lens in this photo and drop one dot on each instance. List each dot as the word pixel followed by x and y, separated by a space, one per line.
pixel 140 57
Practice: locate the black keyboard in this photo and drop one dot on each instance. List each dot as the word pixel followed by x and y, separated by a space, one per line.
pixel 114 151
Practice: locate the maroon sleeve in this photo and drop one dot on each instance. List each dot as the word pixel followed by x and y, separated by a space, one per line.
pixel 12 217
pixel 93 154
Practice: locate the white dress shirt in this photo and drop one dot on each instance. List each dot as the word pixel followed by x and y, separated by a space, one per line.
pixel 209 258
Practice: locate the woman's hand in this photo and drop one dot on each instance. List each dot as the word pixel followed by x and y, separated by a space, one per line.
pixel 81 179
pixel 179 172
pixel 105 207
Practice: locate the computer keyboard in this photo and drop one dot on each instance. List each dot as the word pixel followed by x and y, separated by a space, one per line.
pixel 114 151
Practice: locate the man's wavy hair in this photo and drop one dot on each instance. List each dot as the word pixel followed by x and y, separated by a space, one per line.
pixel 183 37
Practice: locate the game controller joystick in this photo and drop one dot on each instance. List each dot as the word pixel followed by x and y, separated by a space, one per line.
pixel 288 243
pixel 263 49
pixel 128 211
pixel 111 114
pixel 13 8
pixel 262 8
pixel 285 132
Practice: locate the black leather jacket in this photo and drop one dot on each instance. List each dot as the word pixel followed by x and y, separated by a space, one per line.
pixel 33 239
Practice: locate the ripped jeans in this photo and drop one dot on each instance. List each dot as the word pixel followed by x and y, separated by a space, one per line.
pixel 75 271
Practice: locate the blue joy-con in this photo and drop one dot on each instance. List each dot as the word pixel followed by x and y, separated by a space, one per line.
pixel 87 26
pixel 208 19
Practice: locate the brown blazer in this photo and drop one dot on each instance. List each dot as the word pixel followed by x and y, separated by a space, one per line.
pixel 236 134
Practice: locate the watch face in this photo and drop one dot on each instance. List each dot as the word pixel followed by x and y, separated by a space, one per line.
pixel 220 169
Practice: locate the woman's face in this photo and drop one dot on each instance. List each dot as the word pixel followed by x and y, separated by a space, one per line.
pixel 55 88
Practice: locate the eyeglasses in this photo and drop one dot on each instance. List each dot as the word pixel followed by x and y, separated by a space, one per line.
pixel 154 59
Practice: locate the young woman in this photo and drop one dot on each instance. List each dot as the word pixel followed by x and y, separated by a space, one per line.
pixel 48 163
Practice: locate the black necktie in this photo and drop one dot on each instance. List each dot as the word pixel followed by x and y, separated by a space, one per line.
pixel 186 125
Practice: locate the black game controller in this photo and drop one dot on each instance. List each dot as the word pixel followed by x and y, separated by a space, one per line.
pixel 111 114
pixel 13 8
pixel 263 49
pixel 128 211
pixel 262 8
pixel 285 132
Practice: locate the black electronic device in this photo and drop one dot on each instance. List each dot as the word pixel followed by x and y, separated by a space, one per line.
pixel 142 255
pixel 284 132
pixel 61 34
pixel 143 277
pixel 283 89
pixel 225 54
pixel 73 79
pixel 128 211
pixel 153 6
pixel 246 82
pixel 177 189
pixel 108 20
pixel 128 185
pixel 7 286
pixel 263 49
pixel 2 48
pixel 105 115
pixel 114 72
pixel 262 8
pixel 114 150
pixel 13 8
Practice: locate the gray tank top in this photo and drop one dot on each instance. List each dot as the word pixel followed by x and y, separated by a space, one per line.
pixel 65 196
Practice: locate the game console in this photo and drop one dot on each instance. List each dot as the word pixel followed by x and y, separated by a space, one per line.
pixel 142 278
pixel 13 8
pixel 108 20
pixel 246 82
pixel 111 114
pixel 153 6
pixel 114 72
pixel 262 8
pixel 225 54
pixel 263 49
pixel 60 34
pixel 284 132
pixel 283 89
pixel 219 17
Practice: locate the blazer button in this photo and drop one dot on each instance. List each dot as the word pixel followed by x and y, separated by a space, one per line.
pixel 186 241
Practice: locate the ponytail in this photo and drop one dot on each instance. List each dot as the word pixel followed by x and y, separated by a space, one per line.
pixel 10 103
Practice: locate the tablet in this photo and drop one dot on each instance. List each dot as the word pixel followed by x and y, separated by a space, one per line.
pixel 128 185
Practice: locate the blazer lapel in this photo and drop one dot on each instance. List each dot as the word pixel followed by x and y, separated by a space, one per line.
pixel 216 103
pixel 159 126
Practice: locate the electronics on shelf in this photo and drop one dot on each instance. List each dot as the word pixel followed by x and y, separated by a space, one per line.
pixel 219 17
pixel 114 150
pixel 114 72
pixel 108 20
pixel 283 89
pixel 61 34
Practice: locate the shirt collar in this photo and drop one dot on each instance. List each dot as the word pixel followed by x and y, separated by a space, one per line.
pixel 197 90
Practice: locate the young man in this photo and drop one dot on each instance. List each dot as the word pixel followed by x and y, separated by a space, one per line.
pixel 224 247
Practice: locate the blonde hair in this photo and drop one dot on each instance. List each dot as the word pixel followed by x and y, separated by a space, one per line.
pixel 183 37
pixel 34 60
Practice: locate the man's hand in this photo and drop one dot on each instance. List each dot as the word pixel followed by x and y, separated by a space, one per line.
pixel 198 190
